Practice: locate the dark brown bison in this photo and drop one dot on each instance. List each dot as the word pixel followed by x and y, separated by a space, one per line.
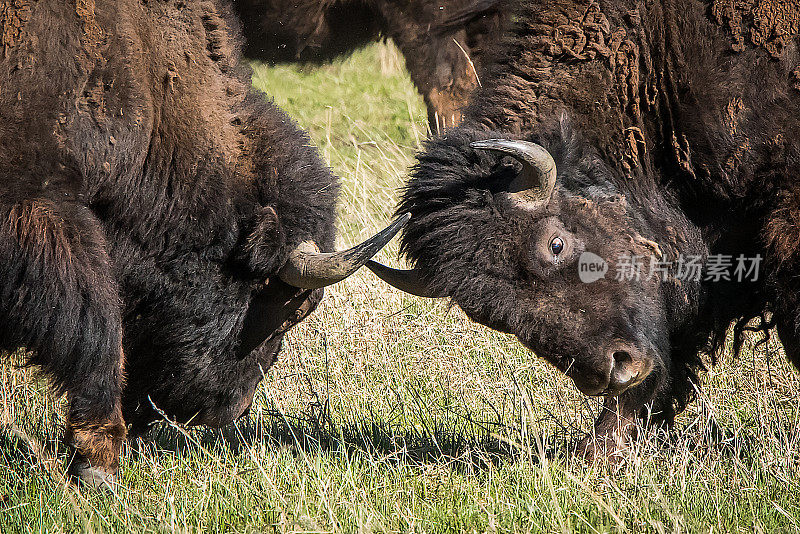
pixel 160 222
pixel 664 130
pixel 443 41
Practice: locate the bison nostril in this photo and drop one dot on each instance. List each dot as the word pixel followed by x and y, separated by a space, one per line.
pixel 622 358
pixel 623 370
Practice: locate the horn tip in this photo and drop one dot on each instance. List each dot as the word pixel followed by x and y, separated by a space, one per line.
pixel 390 231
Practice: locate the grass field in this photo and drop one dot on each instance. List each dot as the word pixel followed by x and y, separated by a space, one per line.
pixel 388 413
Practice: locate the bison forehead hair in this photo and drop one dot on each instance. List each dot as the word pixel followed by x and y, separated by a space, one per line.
pixel 494 259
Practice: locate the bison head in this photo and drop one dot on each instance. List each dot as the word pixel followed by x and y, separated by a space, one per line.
pixel 504 226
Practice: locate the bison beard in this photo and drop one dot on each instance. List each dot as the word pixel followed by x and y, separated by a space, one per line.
pixel 160 221
pixel 443 42
pixel 674 133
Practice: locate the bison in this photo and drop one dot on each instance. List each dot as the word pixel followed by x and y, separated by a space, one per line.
pixel 613 130
pixel 442 41
pixel 162 224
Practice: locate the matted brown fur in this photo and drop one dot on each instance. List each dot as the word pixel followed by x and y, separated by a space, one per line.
pixel 770 24
pixel 14 16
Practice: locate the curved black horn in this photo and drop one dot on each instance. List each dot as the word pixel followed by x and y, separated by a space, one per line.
pixel 310 269
pixel 409 280
pixel 537 180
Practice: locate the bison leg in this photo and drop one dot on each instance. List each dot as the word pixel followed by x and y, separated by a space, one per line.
pixel 58 298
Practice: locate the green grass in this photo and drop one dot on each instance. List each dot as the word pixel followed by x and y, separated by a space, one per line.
pixel 391 413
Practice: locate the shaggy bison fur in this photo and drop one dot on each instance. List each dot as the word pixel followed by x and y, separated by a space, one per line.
pixel 674 126
pixel 149 199
pixel 443 42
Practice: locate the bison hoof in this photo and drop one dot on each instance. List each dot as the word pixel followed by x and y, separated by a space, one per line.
pixel 91 477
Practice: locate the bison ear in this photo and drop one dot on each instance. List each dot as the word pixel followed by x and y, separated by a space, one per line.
pixel 534 185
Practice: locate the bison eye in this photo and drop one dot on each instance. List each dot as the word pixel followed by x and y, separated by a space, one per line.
pixel 556 246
